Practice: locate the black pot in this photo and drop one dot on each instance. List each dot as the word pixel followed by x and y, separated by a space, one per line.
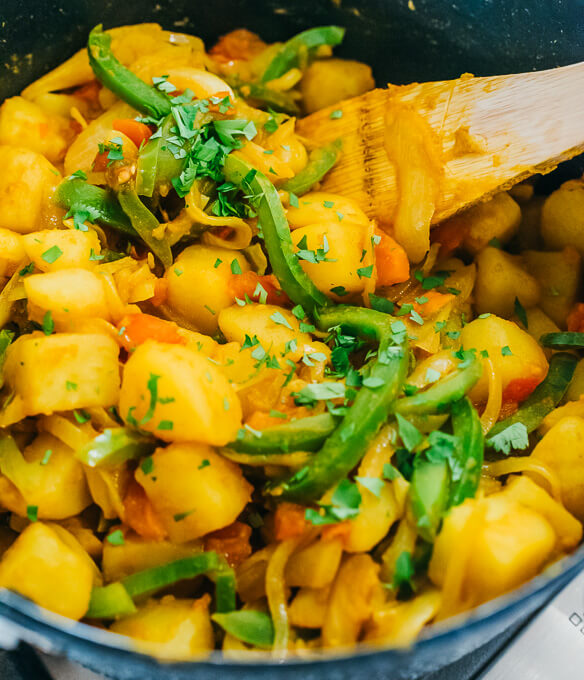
pixel 404 41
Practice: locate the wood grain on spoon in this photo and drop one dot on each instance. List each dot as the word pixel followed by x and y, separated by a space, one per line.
pixel 493 132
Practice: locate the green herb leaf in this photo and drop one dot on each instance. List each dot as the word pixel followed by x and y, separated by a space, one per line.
pixel 116 537
pixel 513 437
pixel 48 324
pixel 372 484
pixel 32 512
pixel 52 254
pixel 409 434
pixel 280 319
pixel 404 572
pixel 252 627
pixel 336 114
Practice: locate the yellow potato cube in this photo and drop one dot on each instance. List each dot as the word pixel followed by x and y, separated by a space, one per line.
pixel 12 254
pixel 179 394
pixel 47 565
pixel 321 206
pixel 199 284
pixel 76 248
pixel 328 81
pixel 308 608
pixel 194 490
pixel 562 217
pixel 316 565
pixel 63 372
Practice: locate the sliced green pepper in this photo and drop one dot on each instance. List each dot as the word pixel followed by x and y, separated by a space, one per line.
pixel 545 397
pixel 439 396
pixel 304 434
pixel 563 340
pixel 75 195
pixel 348 443
pixel 319 163
pixel 115 446
pixel 429 495
pixel 261 95
pixel 250 626
pixel 120 80
pixel 110 602
pixel 144 223
pixel 281 252
pixel 299 50
pixel 466 427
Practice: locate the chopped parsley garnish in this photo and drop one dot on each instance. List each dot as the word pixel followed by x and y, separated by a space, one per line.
pixel 337 113
pixel 182 515
pixel 46 457
pixel 165 425
pixel 48 323
pixel 345 503
pixel 116 537
pixel 513 437
pixel 70 386
pixel 32 512
pixel 235 267
pixel 27 270
pixel 372 484
pixel 52 254
pixel 204 463
pixel 409 434
pixel 293 200
pixel 280 319
pixel 403 574
pixel 147 465
pixel 113 149
pixel 506 351
pixel 81 416
pixel 365 272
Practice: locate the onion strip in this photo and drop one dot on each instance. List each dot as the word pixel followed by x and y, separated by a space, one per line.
pixel 493 408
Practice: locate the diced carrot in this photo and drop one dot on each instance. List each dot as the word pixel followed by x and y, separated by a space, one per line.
pixel 238 44
pixel 391 259
pixel 575 319
pixel 139 513
pixel 138 132
pixel 289 521
pixel 160 292
pixel 134 329
pixel 435 302
pixel 232 542
pixel 520 388
pixel 101 161
pixel 340 530
pixel 449 235
pixel 247 284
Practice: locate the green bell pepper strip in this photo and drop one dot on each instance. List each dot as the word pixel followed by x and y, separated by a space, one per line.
pixel 563 340
pixel 120 80
pixel 115 446
pixel 466 427
pixel 545 397
pixel 281 251
pixel 440 395
pixel 250 626
pixel 429 496
pixel 304 434
pixel 300 49
pixel 348 443
pixel 144 223
pixel 111 601
pixel 75 195
pixel 319 163
pixel 261 95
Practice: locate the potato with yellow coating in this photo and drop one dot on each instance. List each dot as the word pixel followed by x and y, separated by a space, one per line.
pixel 171 628
pixel 322 206
pixel 518 358
pixel 47 565
pixel 199 284
pixel 562 217
pixel 73 249
pixel 12 253
pixel 194 490
pixel 328 81
pixel 27 181
pixel 179 395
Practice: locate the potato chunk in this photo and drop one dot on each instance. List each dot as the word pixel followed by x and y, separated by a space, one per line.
pixel 176 629
pixel 47 565
pixel 63 371
pixel 328 81
pixel 198 284
pixel 501 278
pixel 562 217
pixel 316 565
pixel 179 395
pixel 518 358
pixel 12 252
pixel 27 180
pixel 69 294
pixel 76 247
pixel 322 206
pixel 194 490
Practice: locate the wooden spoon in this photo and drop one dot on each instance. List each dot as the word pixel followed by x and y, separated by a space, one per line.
pixel 491 132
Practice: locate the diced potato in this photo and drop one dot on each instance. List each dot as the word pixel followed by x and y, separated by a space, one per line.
pixel 569 409
pixel 512 545
pixel 274 327
pixel 308 608
pixel 240 367
pixel 328 81
pixel 208 271
pixel 56 487
pixel 576 386
pixel 500 279
pixel 24 123
pixel 521 370
pixel 194 402
pixel 562 217
pixel 559 275
pixel 194 490
pixel 137 553
pixel 12 253
pixel 49 567
pixel 27 181
pixel 76 248
pixel 538 323
pixel 354 592
pixel 176 629
pixel 562 449
pixel 344 256
pixel 321 206
pixel 316 565
pixel 63 372
pixel 69 294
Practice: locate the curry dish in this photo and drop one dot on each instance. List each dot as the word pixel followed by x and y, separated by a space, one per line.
pixel 237 413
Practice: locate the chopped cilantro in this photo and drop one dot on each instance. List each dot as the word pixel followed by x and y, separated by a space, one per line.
pixel 506 351
pixel 271 125
pixel 337 113
pixel 277 414
pixel 403 573
pixel 339 290
pixel 52 254
pixel 365 272
pixel 409 434
pixel 32 512
pixel 27 270
pixel 116 537
pixel 513 437
pixel 328 204
pixel 95 257
pixel 235 267
pixel 204 463
pixel 70 386
pixel 280 319
pixel 78 174
pixel 46 457
pixel 81 416
pixel 390 472
pixel 165 425
pixel 372 484
pixel 147 465
pixel 48 323
pixel 520 312
pixel 432 375
pixel 381 304
pixel 182 515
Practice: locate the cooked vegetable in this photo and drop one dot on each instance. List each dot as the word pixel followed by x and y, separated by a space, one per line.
pixel 468 434
pixel 320 161
pixel 429 494
pixel 563 340
pixel 254 627
pixel 115 446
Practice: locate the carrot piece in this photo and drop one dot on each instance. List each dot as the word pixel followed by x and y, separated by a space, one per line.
pixel 138 132
pixel 575 319
pixel 340 530
pixel 289 521
pixel 435 302
pixel 135 329
pixel 449 235
pixel 238 44
pixel 139 513
pixel 232 542
pixel 247 284
pixel 391 259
